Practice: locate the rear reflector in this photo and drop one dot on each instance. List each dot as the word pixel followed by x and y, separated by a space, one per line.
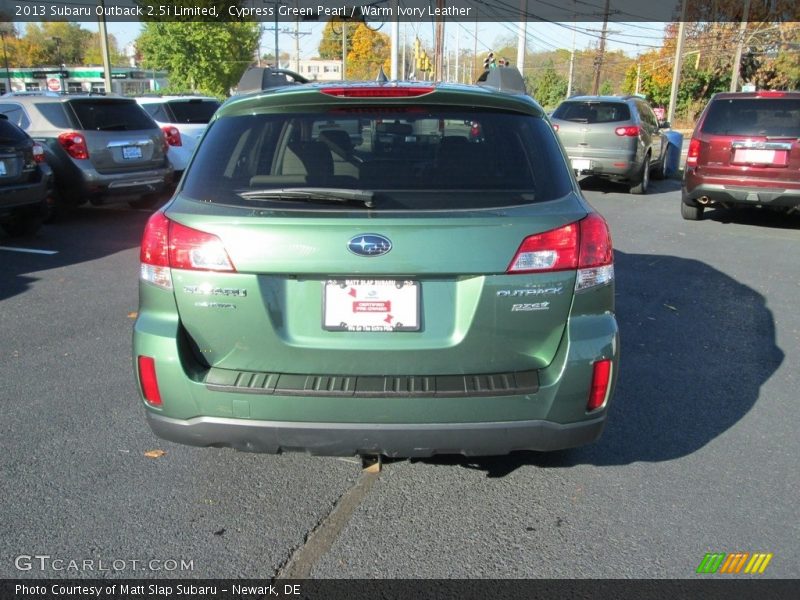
pixel 377 92
pixel 148 380
pixel 694 153
pixel 601 377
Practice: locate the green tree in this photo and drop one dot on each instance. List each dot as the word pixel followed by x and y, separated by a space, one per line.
pixel 548 87
pixel 53 43
pixel 206 57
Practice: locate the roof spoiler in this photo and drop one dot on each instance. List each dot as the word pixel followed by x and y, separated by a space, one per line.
pixel 256 79
pixel 504 79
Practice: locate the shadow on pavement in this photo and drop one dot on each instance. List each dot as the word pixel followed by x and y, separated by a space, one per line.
pixel 604 186
pixel 696 347
pixel 757 217
pixel 86 234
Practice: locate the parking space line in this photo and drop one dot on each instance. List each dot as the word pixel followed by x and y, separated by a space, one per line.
pixel 28 250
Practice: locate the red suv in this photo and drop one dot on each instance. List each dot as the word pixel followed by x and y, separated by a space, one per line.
pixel 745 150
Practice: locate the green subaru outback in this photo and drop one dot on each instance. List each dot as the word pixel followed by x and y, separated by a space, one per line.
pixel 404 269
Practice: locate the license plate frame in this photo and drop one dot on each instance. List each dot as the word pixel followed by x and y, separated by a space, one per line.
pixel 371 305
pixel 131 152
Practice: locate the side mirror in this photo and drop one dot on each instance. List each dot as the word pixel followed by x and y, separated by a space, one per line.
pixel 664 125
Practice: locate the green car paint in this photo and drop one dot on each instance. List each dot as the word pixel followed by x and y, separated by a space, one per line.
pixel 498 361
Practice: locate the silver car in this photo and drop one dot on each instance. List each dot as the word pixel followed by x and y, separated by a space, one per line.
pixel 101 148
pixel 615 137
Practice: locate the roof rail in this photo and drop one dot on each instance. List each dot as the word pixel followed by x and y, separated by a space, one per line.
pixel 256 79
pixel 32 93
pixel 503 79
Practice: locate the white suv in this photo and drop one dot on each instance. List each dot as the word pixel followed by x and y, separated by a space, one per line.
pixel 183 120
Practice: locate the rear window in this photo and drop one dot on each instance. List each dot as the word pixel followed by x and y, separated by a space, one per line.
pixel 418 158
pixel 775 117
pixel 111 115
pixel 593 112
pixel 193 111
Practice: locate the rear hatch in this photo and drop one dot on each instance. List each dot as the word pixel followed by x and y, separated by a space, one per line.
pixel 752 140
pixel 410 278
pixel 120 136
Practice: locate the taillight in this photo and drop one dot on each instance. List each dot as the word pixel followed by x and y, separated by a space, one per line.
pixel 629 131
pixel 148 380
pixel 601 377
pixel 694 153
pixel 38 152
pixel 584 245
pixel 169 245
pixel 377 92
pixel 555 127
pixel 74 144
pixel 172 135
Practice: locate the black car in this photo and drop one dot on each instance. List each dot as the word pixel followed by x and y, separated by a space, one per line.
pixel 25 180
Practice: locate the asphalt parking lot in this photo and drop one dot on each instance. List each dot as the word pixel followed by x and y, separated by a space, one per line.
pixel 700 453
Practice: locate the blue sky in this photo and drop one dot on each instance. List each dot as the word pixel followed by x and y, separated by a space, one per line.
pixel 630 38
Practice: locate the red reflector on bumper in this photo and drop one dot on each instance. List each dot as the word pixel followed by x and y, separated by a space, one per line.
pixel 149 382
pixel 601 377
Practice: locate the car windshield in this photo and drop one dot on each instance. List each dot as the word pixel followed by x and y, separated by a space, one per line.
pixel 411 158
pixel 592 112
pixel 770 117
pixel 193 111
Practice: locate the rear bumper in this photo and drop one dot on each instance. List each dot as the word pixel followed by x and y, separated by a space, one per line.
pixel 348 439
pixel 20 196
pixel 122 186
pixel 772 195
pixel 624 166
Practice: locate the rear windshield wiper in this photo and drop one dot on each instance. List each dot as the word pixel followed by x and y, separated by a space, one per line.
pixel 312 194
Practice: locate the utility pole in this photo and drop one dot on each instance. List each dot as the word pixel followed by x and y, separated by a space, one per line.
pixel 438 46
pixel 344 50
pixel 676 69
pixel 601 51
pixel 297 34
pixel 572 55
pixel 523 34
pixel 395 39
pixel 737 61
pixel 104 48
pixel 475 54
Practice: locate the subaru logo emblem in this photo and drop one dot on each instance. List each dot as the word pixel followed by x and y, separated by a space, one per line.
pixel 369 244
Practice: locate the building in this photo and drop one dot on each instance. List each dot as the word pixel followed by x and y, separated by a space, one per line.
pixel 317 69
pixel 124 81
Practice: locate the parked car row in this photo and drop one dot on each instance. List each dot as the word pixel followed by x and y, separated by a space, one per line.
pixel 101 149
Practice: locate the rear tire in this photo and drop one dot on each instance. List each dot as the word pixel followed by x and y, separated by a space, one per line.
pixel 661 170
pixel 691 213
pixel 644 180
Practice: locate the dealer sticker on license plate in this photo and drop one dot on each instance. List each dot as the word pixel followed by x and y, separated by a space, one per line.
pixel 129 152
pixel 371 305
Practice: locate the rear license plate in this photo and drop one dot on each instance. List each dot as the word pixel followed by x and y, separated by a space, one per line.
pixel 754 156
pixel 370 305
pixel 3 167
pixel 131 152
pixel 581 164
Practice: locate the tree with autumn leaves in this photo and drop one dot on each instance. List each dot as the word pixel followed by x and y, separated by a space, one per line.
pixel 56 43
pixel 367 49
